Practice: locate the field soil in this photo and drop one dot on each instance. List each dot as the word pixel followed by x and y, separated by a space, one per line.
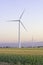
pixel 5 63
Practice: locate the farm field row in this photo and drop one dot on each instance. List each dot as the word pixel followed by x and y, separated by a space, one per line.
pixel 22 51
pixel 21 60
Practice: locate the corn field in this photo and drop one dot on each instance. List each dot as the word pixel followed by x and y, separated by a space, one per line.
pixel 21 59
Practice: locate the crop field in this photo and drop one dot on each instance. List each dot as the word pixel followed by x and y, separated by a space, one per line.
pixel 22 56
pixel 22 51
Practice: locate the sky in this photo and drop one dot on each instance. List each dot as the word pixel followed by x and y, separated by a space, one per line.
pixel 32 20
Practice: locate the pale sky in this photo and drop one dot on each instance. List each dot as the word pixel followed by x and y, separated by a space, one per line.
pixel 32 20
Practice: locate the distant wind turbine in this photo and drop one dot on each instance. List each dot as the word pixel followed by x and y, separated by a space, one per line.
pixel 19 22
pixel 32 42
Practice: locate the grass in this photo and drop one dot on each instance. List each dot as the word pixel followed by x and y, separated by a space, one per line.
pixel 22 56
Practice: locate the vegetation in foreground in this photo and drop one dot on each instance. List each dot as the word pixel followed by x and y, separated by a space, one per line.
pixel 21 59
pixel 23 56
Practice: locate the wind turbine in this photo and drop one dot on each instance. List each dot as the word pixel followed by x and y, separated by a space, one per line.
pixel 32 41
pixel 19 22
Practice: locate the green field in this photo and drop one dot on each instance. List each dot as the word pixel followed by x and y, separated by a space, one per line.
pixel 22 56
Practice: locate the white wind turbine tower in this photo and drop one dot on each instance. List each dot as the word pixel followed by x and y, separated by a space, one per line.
pixel 19 22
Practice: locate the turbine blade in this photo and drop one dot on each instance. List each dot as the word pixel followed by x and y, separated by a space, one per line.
pixel 23 25
pixel 12 20
pixel 21 14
